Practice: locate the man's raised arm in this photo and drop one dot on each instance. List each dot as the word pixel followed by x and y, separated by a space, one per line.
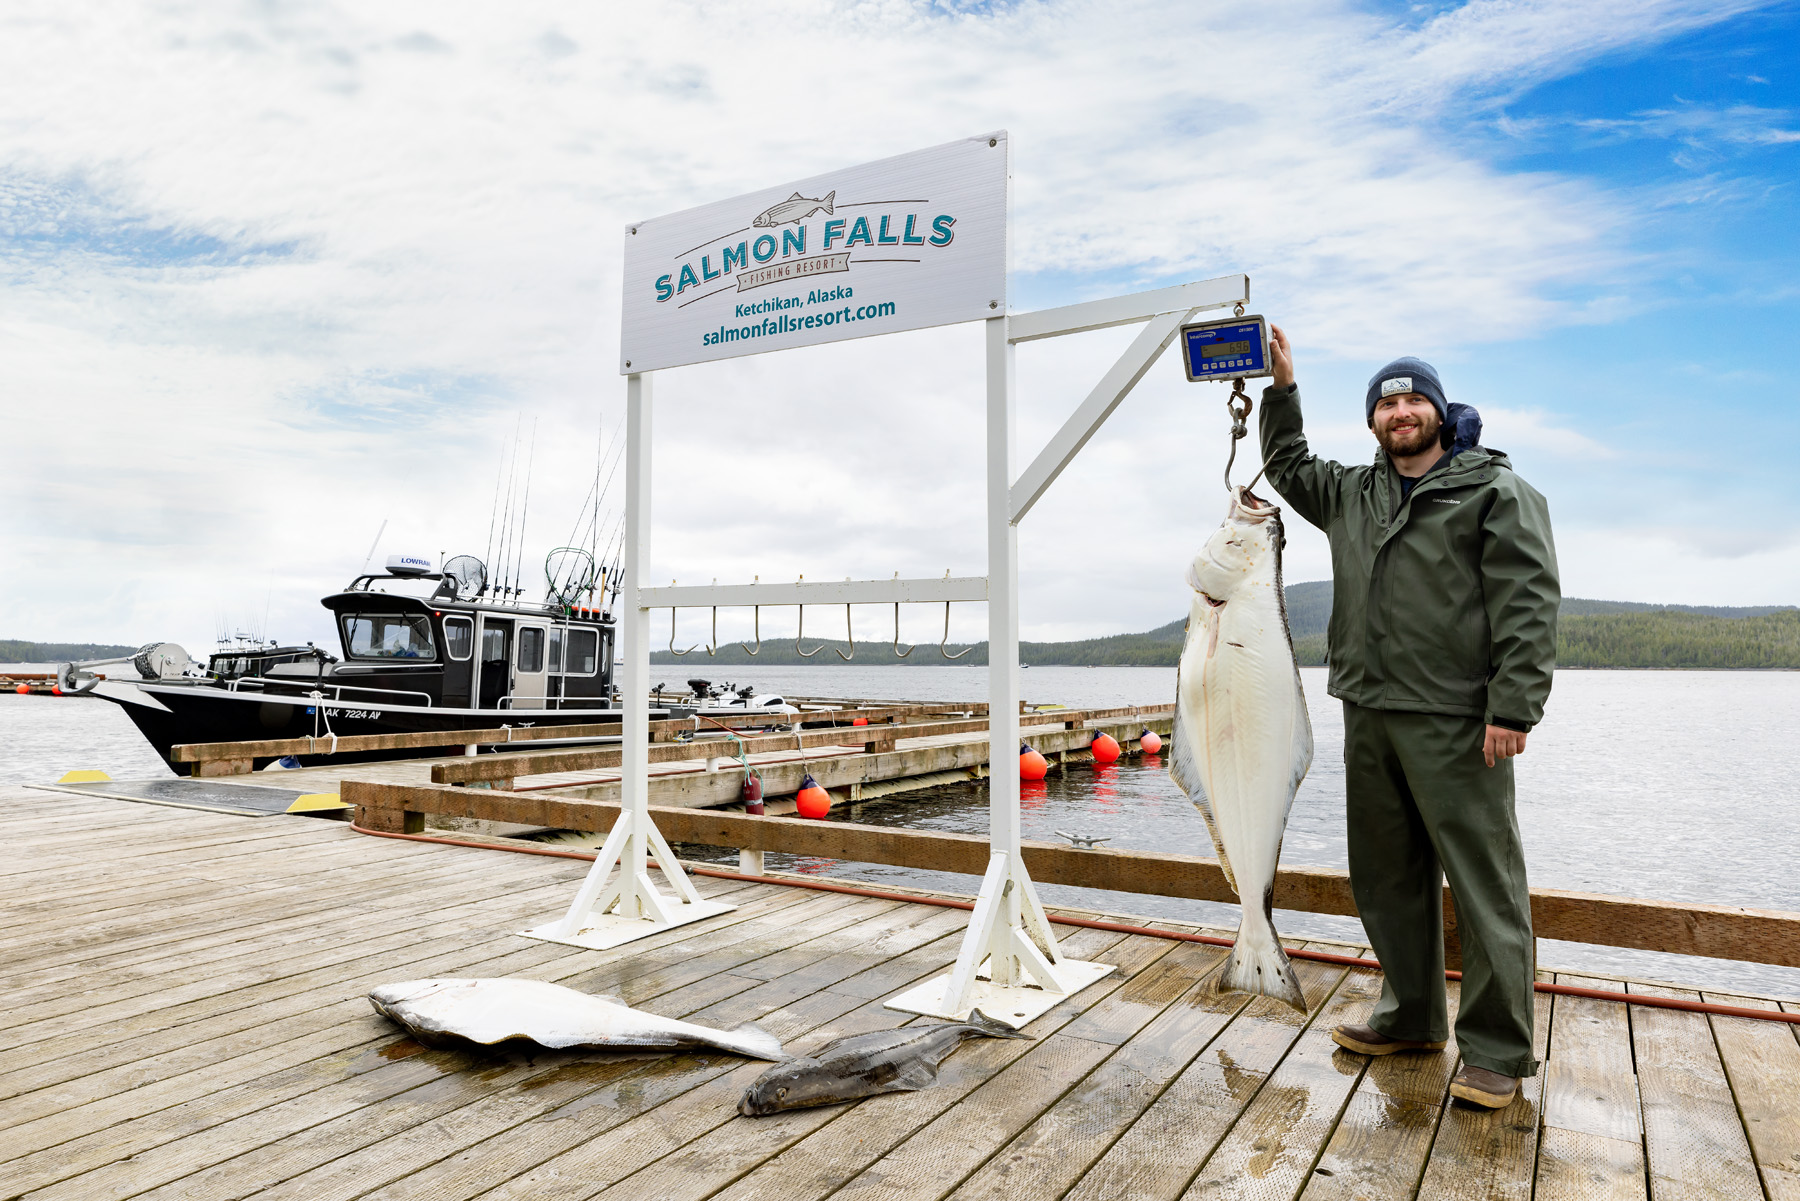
pixel 1307 483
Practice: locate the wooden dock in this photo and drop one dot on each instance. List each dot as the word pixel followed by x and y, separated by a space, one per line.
pixel 186 1018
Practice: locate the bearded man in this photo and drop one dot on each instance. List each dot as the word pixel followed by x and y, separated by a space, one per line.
pixel 1441 646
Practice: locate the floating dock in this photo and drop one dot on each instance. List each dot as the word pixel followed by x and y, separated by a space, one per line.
pixel 698 762
pixel 185 995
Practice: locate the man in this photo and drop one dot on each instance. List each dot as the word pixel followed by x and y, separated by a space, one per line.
pixel 1441 647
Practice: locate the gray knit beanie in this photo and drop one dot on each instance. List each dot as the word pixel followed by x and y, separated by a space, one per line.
pixel 1406 375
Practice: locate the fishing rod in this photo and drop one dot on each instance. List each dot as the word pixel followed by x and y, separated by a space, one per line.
pixel 506 526
pixel 493 515
pixel 524 513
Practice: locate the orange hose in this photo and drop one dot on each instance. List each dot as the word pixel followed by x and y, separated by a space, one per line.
pixel 1560 990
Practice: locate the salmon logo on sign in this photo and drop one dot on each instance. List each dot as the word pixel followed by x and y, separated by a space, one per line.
pixel 908 242
pixel 763 260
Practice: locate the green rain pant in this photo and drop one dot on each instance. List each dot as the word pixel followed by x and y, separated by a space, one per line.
pixel 1424 805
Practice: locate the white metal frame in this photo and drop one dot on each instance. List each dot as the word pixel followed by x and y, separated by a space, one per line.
pixel 1010 965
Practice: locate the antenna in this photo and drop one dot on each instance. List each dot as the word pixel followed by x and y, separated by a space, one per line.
pixel 373 545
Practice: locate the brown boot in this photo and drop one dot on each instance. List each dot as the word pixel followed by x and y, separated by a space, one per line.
pixel 1366 1040
pixel 1478 1086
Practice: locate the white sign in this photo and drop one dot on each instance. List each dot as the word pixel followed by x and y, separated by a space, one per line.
pixel 908 242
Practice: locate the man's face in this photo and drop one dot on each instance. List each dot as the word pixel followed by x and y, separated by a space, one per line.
pixel 1406 423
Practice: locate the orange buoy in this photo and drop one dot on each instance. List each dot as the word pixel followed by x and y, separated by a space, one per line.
pixel 1032 766
pixel 1105 748
pixel 55 690
pixel 1150 740
pixel 812 801
pixel 861 721
pixel 23 690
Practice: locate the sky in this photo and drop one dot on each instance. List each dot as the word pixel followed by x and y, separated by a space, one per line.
pixel 276 276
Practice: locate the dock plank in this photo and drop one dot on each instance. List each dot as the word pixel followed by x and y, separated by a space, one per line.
pixel 1385 1135
pixel 1491 1154
pixel 1164 1148
pixel 1762 1064
pixel 1593 1140
pixel 1694 1139
pixel 1184 1012
pixel 1272 1148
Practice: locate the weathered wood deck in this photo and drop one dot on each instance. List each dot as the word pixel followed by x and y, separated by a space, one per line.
pixel 186 1018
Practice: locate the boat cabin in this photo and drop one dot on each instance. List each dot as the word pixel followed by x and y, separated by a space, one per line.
pixel 451 653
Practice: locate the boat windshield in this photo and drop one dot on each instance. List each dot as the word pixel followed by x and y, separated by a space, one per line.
pixel 388 636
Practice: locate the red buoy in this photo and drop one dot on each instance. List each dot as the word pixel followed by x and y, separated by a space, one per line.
pixel 1105 748
pixel 812 801
pixel 1150 740
pixel 861 721
pixel 753 794
pixel 1032 766
pixel 23 690
pixel 55 690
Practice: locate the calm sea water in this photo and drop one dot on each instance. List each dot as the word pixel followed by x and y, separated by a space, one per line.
pixel 1674 785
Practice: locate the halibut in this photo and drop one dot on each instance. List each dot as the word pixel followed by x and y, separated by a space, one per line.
pixel 1242 740
pixel 494 1011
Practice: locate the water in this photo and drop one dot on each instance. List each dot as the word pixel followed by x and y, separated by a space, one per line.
pixel 1680 786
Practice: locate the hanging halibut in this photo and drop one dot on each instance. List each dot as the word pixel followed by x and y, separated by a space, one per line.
pixel 1242 740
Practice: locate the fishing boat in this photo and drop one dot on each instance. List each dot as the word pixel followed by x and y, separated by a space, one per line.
pixel 423 650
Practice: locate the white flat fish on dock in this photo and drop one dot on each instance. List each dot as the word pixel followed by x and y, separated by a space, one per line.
pixel 1242 740
pixel 493 1011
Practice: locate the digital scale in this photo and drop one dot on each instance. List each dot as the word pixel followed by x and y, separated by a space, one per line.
pixel 1234 348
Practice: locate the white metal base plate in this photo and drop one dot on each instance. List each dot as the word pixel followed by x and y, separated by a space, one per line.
pixel 605 932
pixel 1014 1006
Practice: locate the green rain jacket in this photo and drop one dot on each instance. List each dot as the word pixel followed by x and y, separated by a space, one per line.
pixel 1444 602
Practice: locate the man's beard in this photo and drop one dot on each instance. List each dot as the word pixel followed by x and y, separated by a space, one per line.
pixel 1410 442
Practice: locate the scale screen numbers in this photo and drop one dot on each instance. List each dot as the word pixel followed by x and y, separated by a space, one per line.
pixel 1223 349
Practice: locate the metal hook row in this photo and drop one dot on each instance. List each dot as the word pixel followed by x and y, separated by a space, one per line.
pixel 800 636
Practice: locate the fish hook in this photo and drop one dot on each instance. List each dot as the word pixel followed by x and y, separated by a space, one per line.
pixel 942 646
pixel 1239 417
pixel 898 653
pixel 690 650
pixel 800 635
pixel 758 650
pixel 850 631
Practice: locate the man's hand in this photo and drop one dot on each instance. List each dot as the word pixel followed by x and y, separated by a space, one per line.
pixel 1284 357
pixel 1502 743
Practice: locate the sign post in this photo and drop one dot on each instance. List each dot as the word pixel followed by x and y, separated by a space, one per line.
pixel 909 242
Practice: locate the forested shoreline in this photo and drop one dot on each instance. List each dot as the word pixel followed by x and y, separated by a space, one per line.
pixel 1590 634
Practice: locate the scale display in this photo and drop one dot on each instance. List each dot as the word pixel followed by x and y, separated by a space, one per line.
pixel 1235 348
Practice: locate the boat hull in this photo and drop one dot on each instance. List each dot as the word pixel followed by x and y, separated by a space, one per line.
pixel 170 715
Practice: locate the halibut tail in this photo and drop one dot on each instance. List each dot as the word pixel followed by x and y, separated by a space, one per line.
pixel 992 1027
pixel 1257 964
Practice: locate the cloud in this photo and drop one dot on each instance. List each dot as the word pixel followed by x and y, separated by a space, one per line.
pixel 1529 429
pixel 270 275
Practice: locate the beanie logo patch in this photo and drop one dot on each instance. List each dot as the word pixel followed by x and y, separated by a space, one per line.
pixel 1400 383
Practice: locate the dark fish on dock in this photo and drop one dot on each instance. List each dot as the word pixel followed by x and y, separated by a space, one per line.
pixel 1243 740
pixel 493 1011
pixel 887 1061
pixel 794 208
